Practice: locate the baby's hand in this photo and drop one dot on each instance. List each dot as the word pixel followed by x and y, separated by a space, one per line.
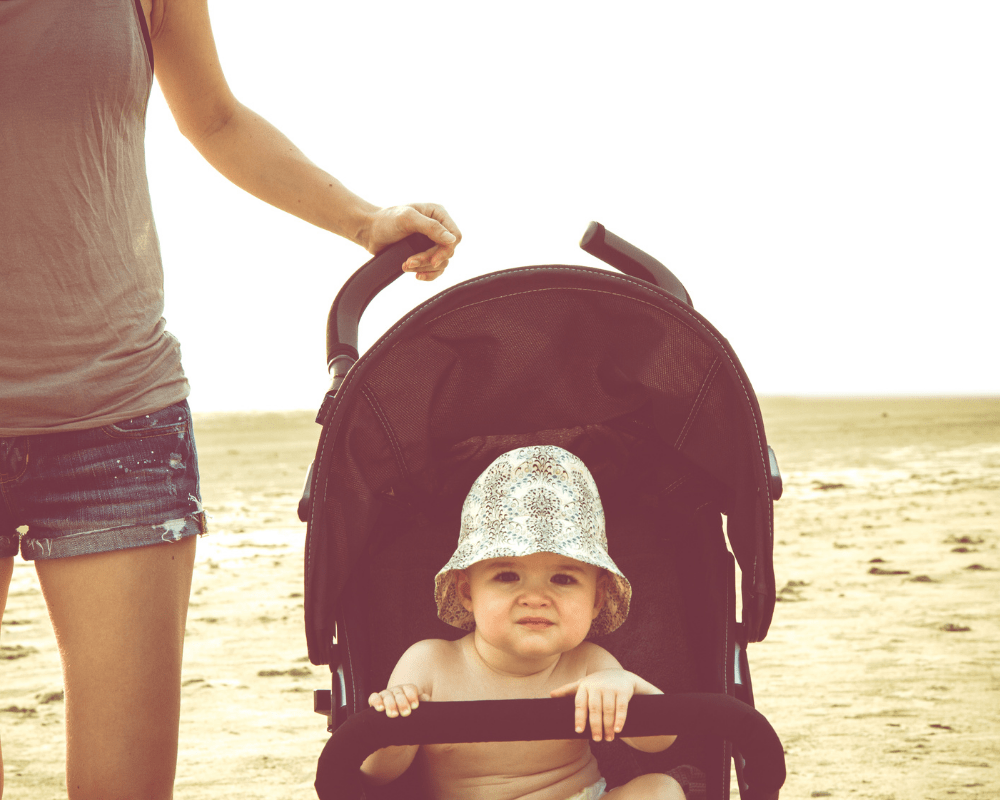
pixel 604 697
pixel 397 701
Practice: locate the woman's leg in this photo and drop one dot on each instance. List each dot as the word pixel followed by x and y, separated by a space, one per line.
pixel 119 623
pixel 6 570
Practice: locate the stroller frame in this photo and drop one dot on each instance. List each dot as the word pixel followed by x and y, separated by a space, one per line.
pixel 658 404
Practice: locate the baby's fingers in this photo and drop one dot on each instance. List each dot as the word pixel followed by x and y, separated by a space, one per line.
pixel 598 705
pixel 407 698
pixel 582 704
pixel 397 701
pixel 607 714
pixel 618 714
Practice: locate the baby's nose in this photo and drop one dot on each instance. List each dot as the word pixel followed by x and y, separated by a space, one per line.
pixel 535 596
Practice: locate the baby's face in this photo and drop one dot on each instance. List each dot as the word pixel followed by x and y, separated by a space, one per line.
pixel 532 606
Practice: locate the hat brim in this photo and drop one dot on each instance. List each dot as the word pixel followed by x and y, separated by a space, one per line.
pixel 613 613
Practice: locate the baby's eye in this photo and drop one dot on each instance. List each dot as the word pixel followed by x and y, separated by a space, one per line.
pixel 506 577
pixel 563 580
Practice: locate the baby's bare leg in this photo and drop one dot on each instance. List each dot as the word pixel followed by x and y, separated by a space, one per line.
pixel 654 786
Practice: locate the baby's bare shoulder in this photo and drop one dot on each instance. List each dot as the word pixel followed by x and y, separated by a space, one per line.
pixel 434 649
pixel 425 663
pixel 580 662
pixel 427 653
pixel 428 648
pixel 588 657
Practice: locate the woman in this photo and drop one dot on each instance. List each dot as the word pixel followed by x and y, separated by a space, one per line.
pixel 96 452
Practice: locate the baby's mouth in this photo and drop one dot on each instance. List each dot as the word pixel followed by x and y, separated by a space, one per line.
pixel 536 623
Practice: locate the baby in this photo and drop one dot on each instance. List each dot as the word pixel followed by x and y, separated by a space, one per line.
pixel 531 580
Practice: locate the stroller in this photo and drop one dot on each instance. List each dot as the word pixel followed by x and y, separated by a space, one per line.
pixel 619 370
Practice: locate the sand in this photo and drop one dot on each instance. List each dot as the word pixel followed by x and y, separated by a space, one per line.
pixel 881 671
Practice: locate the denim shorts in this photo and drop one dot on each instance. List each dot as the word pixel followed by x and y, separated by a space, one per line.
pixel 129 484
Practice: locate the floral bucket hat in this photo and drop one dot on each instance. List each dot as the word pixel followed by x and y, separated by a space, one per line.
pixel 539 499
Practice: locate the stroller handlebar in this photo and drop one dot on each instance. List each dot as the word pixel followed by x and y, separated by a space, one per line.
pixel 602 243
pixel 355 295
pixel 377 273
pixel 362 734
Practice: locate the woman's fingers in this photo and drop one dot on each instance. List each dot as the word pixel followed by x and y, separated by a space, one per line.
pixel 392 224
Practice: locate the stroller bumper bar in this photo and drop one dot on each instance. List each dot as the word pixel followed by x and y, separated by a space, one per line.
pixel 506 721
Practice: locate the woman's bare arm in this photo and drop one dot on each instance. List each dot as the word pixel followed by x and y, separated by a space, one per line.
pixel 257 157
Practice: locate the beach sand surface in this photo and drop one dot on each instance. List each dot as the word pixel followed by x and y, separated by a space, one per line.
pixel 880 673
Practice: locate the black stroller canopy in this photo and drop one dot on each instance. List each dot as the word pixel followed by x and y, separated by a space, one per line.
pixel 622 373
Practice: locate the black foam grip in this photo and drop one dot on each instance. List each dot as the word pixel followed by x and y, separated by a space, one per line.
pixel 615 251
pixel 361 288
pixel 338 775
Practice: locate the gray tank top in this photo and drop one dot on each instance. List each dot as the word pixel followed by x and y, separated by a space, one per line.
pixel 82 337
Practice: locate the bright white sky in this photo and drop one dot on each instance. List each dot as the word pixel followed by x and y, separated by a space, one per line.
pixel 823 177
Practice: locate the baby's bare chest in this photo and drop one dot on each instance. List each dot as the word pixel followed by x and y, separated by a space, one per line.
pixel 465 678
pixel 508 769
pixel 508 758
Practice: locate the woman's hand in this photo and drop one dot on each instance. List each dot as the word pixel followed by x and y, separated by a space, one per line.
pixel 389 225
